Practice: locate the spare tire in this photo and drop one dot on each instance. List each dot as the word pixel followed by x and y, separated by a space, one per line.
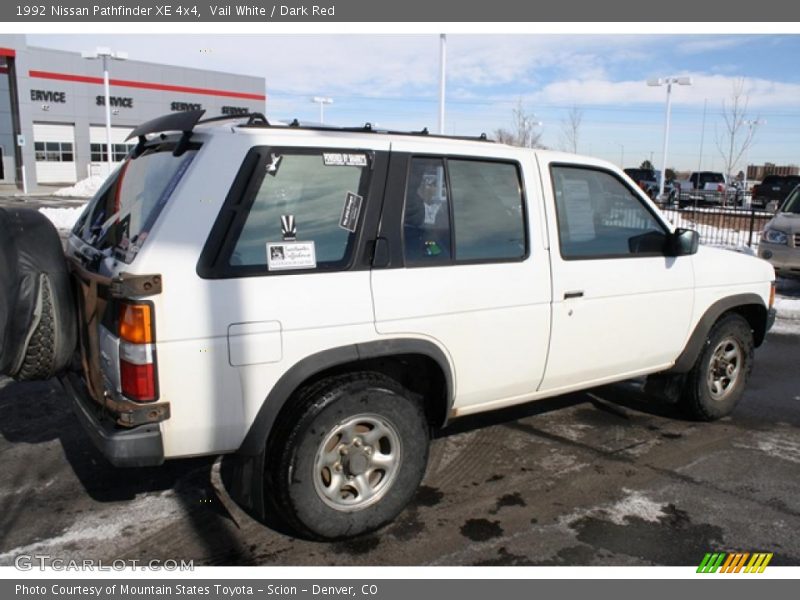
pixel 38 318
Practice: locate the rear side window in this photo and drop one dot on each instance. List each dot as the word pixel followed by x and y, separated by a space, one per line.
pixel 124 210
pixel 463 210
pixel 304 213
pixel 487 208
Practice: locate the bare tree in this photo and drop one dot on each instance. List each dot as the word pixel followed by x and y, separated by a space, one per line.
pixel 571 127
pixel 523 131
pixel 739 131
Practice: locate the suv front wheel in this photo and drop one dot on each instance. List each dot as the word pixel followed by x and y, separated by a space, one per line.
pixel 716 383
pixel 348 456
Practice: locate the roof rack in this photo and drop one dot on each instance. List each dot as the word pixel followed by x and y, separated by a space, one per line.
pixel 252 118
pixel 369 128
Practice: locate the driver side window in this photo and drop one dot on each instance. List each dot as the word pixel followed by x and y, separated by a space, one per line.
pixel 600 217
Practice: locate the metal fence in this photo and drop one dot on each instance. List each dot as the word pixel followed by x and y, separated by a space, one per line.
pixel 721 219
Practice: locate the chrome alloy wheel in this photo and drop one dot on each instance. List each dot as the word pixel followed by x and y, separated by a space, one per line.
pixel 725 368
pixel 357 462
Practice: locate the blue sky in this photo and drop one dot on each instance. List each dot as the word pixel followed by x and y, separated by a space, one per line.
pixel 392 80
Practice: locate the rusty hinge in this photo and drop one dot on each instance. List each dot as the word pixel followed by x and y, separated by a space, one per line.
pixel 130 414
pixel 126 285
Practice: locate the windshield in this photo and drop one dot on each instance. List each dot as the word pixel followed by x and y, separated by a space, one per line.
pixel 792 204
pixel 125 209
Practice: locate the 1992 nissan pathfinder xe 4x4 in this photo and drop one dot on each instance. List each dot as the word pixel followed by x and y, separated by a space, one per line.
pixel 316 301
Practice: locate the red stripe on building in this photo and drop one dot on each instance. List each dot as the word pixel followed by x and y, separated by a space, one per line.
pixel 8 52
pixel 3 69
pixel 145 85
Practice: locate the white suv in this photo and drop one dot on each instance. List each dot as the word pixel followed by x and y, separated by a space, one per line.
pixel 317 300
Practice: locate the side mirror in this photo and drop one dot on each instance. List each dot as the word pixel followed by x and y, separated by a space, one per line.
pixel 683 242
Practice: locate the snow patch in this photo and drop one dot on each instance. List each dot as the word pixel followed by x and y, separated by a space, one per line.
pixel 788 308
pixel 776 445
pixel 62 218
pixel 104 525
pixel 786 327
pixel 634 505
pixel 85 188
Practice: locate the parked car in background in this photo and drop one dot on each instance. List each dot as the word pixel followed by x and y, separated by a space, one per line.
pixel 780 240
pixel 708 188
pixel 648 180
pixel 774 188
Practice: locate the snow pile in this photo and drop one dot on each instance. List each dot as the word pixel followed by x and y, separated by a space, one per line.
pixel 62 218
pixel 85 188
pixel 788 308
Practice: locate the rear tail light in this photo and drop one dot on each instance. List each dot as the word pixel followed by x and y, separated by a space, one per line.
pixel 137 355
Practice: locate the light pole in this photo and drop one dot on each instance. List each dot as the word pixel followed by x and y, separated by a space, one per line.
pixel 106 54
pixel 528 125
pixel 668 81
pixel 751 124
pixel 442 79
pixel 322 101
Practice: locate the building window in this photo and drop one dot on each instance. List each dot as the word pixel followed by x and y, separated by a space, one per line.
pixel 99 152
pixel 53 151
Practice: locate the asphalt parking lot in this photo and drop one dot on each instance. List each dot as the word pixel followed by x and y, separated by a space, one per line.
pixel 600 478
pixel 606 477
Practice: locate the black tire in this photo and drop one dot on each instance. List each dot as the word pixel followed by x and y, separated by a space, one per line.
pixel 38 322
pixel 716 383
pixel 306 495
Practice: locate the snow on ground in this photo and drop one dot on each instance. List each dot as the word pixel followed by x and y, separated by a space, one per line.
pixel 85 188
pixel 788 308
pixel 635 505
pixel 62 218
pixel 715 236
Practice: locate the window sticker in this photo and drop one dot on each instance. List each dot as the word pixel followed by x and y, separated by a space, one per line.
pixel 350 212
pixel 273 164
pixel 339 159
pixel 577 202
pixel 288 228
pixel 283 256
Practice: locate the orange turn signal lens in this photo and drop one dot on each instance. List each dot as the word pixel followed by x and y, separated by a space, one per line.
pixel 136 323
pixel 772 295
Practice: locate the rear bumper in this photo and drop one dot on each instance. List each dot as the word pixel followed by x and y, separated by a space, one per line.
pixel 137 447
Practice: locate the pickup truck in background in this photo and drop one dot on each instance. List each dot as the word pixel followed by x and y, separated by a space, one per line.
pixel 774 188
pixel 707 188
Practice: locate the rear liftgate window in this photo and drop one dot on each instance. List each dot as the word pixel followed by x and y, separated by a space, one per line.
pixel 305 212
pixel 124 210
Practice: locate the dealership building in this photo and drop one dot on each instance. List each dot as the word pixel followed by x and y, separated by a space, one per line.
pixel 52 108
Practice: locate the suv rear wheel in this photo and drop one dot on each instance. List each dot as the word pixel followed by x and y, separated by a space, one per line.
pixel 716 383
pixel 349 456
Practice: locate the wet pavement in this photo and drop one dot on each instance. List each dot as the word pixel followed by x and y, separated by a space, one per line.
pixel 607 477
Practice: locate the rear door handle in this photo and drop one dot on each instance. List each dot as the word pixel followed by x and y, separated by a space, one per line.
pixel 573 294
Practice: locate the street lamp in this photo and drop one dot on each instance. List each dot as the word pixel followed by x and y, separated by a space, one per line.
pixel 528 125
pixel 751 124
pixel 322 101
pixel 105 54
pixel 668 81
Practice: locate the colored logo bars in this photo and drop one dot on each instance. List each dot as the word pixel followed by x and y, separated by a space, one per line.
pixel 734 562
